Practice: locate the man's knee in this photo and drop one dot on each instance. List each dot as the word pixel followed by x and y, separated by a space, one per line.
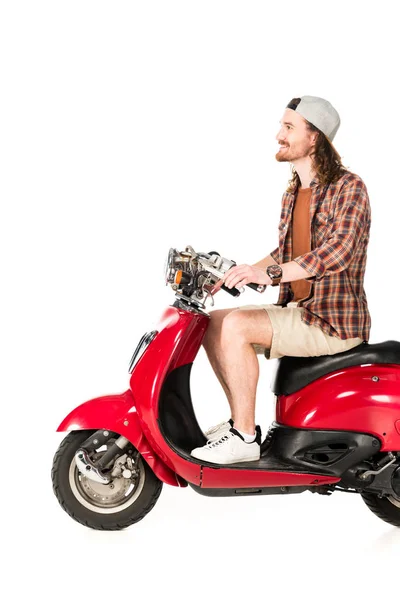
pixel 215 325
pixel 234 324
pixel 250 326
pixel 217 317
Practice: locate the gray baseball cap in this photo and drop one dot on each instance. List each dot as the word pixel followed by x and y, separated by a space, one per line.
pixel 319 112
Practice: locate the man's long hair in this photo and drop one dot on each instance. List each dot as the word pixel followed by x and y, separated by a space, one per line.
pixel 326 162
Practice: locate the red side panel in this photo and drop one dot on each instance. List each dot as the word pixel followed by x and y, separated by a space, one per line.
pixel 363 398
pixel 230 478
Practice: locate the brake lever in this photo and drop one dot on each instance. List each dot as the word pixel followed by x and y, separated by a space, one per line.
pixel 209 295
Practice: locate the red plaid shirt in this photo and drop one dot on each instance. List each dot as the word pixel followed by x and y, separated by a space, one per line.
pixel 340 218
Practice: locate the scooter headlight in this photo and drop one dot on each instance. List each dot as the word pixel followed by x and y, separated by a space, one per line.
pixel 169 270
pixel 140 349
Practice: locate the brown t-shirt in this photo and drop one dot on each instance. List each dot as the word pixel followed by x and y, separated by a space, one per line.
pixel 301 239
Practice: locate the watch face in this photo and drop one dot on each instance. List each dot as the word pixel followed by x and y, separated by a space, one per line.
pixel 274 271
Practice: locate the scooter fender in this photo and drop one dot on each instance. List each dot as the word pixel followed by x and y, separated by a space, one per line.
pixel 118 413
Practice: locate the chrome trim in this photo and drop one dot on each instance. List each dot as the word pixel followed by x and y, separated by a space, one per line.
pixel 88 469
pixel 169 271
pixel 106 499
pixel 122 442
pixel 143 344
pixel 385 466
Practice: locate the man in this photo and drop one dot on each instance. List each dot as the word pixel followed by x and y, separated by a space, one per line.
pixel 319 265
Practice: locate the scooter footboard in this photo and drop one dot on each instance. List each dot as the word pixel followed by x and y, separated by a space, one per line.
pixel 118 413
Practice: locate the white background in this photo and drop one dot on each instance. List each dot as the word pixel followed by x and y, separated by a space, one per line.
pixel 128 128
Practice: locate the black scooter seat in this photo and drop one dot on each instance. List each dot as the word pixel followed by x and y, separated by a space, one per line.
pixel 294 372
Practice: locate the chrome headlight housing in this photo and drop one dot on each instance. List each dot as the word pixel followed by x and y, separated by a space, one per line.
pixel 169 268
pixel 144 343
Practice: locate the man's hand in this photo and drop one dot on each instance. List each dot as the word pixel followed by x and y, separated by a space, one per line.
pixel 241 275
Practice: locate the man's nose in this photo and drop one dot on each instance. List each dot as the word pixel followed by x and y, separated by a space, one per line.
pixel 280 136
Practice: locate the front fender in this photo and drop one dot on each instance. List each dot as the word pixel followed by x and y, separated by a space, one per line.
pixel 118 413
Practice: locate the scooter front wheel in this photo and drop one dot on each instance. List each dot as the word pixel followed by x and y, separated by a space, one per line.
pixel 112 506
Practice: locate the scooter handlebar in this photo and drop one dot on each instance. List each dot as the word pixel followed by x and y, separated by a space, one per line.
pixel 257 287
pixel 232 291
pixel 235 292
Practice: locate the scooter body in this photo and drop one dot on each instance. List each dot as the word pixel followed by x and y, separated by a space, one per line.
pixel 337 427
pixel 157 417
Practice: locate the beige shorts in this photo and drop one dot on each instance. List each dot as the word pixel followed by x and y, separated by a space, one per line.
pixel 293 337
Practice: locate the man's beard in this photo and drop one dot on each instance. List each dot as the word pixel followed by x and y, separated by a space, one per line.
pixel 289 155
pixel 282 156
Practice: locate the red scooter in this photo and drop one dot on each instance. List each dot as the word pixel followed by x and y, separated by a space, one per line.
pixel 337 423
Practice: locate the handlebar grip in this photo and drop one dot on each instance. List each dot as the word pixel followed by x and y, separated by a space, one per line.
pixel 232 291
pixel 257 287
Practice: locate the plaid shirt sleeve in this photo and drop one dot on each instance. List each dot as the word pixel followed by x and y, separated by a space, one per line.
pixel 275 254
pixel 336 253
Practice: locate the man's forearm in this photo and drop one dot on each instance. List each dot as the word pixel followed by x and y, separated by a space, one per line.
pixel 291 271
pixel 243 274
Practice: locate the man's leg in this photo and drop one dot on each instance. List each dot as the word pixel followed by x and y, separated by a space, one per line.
pixel 224 338
pixel 240 329
pixel 212 346
pixel 235 362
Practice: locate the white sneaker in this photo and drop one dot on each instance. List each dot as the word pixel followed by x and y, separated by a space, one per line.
pixel 230 448
pixel 214 433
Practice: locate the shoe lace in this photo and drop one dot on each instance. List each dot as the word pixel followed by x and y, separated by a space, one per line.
pixel 215 428
pixel 222 440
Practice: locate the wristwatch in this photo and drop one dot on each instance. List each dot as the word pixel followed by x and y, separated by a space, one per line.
pixel 274 272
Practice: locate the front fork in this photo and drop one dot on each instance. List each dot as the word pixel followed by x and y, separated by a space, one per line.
pixel 100 470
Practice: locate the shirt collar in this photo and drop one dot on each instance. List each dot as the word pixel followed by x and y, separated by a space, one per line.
pixel 313 183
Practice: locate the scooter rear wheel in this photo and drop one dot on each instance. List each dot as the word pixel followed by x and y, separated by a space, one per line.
pixel 113 506
pixel 387 508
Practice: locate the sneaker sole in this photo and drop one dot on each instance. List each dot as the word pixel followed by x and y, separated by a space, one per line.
pixel 231 462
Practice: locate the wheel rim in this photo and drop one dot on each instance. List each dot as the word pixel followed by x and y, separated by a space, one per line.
pixel 114 497
pixel 394 500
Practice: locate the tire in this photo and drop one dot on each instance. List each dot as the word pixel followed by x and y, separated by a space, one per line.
pixel 111 507
pixel 387 508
